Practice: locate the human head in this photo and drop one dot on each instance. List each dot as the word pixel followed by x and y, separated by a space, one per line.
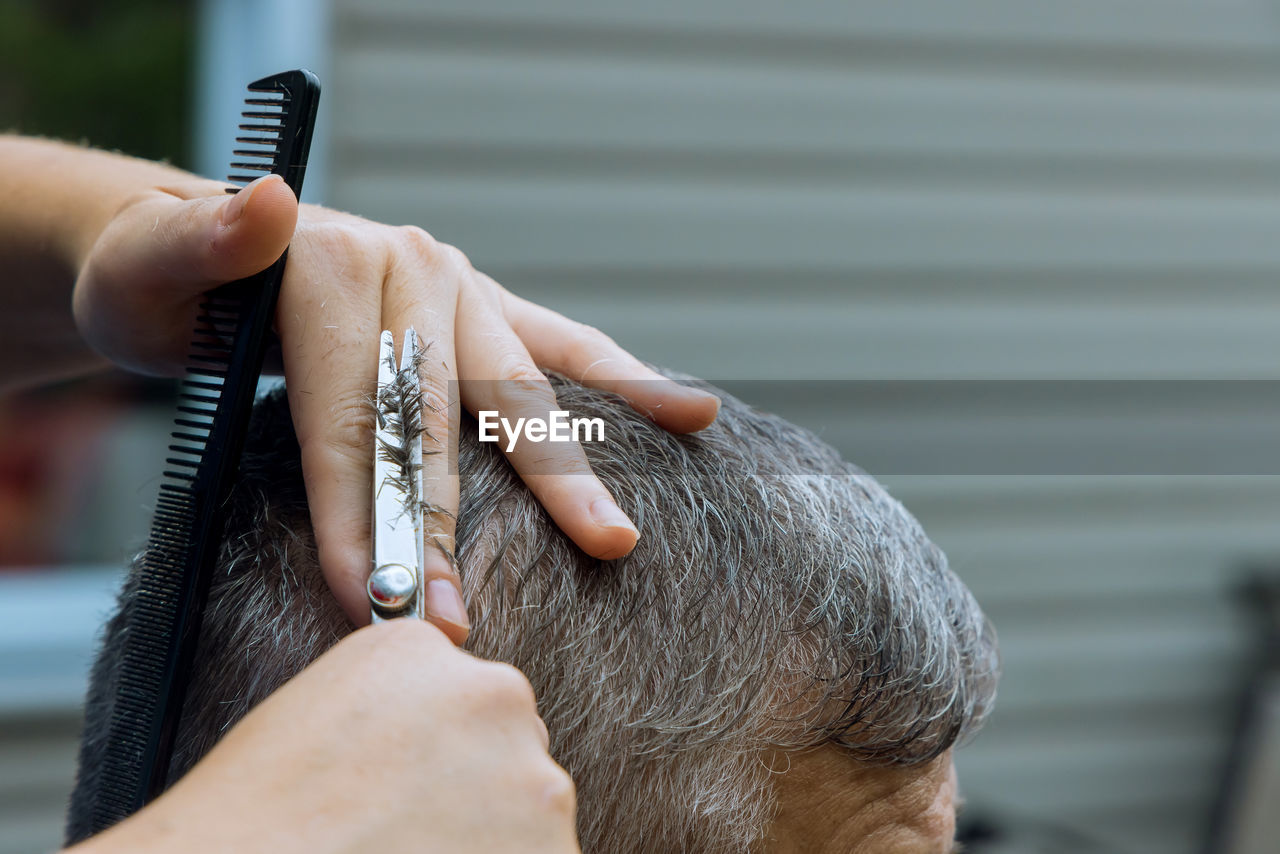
pixel 783 631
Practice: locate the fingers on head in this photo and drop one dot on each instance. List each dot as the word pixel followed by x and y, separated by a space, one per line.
pixel 330 327
pixel 421 293
pixel 503 379
pixel 587 355
pixel 336 448
pixel 329 343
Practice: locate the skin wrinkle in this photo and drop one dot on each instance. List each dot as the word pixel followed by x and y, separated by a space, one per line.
pixel 779 601
pixel 830 803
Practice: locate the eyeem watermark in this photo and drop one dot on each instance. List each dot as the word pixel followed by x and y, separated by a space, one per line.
pixel 558 428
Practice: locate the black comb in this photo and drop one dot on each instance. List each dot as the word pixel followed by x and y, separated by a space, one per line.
pixel 231 339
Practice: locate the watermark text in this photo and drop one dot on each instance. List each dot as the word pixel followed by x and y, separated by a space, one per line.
pixel 558 428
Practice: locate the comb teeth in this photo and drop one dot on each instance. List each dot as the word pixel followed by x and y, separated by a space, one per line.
pixel 269 125
pixel 217 324
pixel 207 371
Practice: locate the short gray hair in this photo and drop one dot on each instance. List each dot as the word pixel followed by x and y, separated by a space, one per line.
pixel 778 599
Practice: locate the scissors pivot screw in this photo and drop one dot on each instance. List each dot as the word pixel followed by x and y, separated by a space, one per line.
pixel 392 587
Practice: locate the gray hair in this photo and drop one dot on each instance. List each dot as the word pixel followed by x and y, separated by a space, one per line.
pixel 778 599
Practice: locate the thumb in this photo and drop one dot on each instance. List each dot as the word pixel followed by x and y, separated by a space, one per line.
pixel 136 298
pixel 214 240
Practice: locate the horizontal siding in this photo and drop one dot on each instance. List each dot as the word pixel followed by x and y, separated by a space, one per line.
pixel 822 227
pixel 873 108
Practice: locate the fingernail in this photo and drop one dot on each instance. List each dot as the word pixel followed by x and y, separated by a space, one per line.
pixel 444 602
pixel 607 514
pixel 699 394
pixel 233 209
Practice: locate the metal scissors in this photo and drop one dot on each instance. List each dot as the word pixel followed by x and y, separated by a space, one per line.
pixel 396 585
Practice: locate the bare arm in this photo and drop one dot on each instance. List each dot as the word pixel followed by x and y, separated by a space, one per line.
pixel 57 199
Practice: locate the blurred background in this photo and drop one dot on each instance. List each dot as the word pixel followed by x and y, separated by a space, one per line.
pixel 1044 200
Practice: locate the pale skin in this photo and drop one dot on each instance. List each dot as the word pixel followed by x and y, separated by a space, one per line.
pixel 131 246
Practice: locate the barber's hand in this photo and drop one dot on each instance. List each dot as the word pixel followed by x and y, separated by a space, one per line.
pixel 346 280
pixel 393 741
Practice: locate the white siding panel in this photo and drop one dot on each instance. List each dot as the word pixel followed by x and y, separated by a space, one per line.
pixel 796 227
pixel 543 99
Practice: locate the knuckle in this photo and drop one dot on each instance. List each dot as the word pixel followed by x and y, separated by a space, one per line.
pixel 346 240
pixel 454 258
pixel 435 252
pixel 509 686
pixel 404 655
pixel 434 391
pixel 348 425
pixel 411 634
pixel 419 239
pixel 558 790
pixel 586 344
pixel 523 376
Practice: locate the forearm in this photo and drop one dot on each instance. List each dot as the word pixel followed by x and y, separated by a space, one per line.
pixel 55 199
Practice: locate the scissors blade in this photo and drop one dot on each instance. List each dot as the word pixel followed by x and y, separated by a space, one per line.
pixel 395 585
pixel 409 360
